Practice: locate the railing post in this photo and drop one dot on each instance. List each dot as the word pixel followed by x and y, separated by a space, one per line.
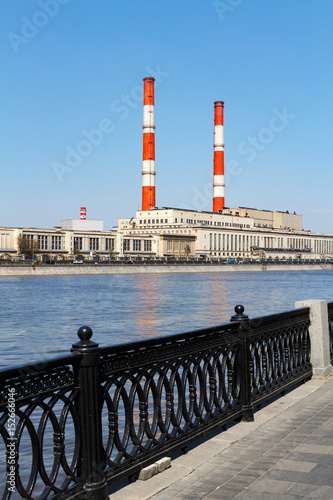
pixel 319 337
pixel 92 459
pixel 244 362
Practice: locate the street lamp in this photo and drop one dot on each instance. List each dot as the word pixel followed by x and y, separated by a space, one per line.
pixel 33 251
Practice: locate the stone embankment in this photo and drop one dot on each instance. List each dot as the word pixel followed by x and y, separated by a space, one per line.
pixel 76 270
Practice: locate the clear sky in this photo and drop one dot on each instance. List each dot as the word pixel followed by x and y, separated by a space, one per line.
pixel 70 67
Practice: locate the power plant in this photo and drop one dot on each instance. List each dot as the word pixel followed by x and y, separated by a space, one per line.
pixel 224 233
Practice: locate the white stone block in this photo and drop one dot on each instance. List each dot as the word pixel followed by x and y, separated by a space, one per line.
pixel 163 464
pixel 148 472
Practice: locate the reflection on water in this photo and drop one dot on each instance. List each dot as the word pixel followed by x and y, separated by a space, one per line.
pixel 216 299
pixel 39 317
pixel 147 317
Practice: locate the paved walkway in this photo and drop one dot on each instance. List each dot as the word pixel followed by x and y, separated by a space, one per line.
pixel 286 453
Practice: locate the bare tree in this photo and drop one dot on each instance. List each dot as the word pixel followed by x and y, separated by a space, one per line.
pixel 187 250
pixel 26 245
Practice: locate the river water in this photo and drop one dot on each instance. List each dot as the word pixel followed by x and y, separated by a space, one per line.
pixel 39 316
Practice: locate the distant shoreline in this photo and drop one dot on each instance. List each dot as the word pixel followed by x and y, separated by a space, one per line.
pixel 80 270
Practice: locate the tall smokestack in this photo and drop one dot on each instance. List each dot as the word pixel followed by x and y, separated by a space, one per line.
pixel 83 213
pixel 148 169
pixel 218 181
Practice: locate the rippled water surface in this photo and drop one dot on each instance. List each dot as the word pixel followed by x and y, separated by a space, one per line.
pixel 39 317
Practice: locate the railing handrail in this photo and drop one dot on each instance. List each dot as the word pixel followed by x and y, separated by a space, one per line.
pixel 167 339
pixel 36 366
pixel 278 316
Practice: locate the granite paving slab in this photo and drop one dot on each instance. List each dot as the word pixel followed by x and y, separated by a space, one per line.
pixel 288 455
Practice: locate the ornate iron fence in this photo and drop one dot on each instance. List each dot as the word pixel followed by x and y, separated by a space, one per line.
pixel 279 352
pixel 89 419
pixel 161 394
pixel 40 430
pixel 330 327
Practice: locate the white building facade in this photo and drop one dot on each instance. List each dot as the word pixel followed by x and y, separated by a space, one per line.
pixel 232 233
pixel 237 233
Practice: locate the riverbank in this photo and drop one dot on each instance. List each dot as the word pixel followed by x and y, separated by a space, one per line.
pixel 79 270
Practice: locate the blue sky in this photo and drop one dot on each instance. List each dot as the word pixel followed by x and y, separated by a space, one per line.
pixel 73 66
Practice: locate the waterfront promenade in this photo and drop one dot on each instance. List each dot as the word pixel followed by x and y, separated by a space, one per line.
pixel 185 392
pixel 287 452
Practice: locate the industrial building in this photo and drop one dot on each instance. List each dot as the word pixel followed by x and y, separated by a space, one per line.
pixel 237 233
pixel 171 232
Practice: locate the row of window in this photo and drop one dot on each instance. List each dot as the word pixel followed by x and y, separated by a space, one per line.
pixel 232 242
pixel 44 242
pixel 136 245
pixel 154 221
pixel 174 246
pixel 218 223
pixel 191 221
pixel 4 240
pixel 226 242
pixel 166 231
pixel 296 243
pixel 323 246
pixel 94 244
pixel 244 243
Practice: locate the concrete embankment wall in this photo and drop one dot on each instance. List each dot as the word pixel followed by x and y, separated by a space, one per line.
pixel 75 270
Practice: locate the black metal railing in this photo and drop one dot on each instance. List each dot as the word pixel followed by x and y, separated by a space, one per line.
pixel 163 393
pixel 280 352
pixel 40 430
pixel 330 327
pixel 89 419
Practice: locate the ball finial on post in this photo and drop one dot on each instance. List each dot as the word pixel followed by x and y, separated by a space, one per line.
pixel 84 333
pixel 239 309
pixel 239 316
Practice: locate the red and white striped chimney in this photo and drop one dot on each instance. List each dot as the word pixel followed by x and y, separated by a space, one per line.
pixel 148 169
pixel 218 181
pixel 83 213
